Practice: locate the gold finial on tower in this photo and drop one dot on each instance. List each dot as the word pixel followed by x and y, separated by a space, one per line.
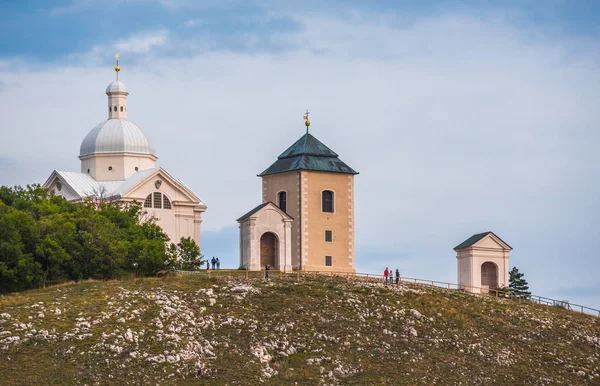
pixel 306 121
pixel 117 68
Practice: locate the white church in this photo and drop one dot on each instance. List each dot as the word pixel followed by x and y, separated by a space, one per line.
pixel 118 162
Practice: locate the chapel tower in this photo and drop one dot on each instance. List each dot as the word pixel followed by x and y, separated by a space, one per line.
pixel 310 184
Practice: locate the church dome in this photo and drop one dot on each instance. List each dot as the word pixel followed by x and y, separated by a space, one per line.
pixel 116 86
pixel 117 136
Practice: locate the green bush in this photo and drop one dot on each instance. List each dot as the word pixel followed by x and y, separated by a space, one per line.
pixel 45 239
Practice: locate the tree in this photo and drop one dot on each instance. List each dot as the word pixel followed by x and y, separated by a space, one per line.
pixel 188 254
pixel 517 283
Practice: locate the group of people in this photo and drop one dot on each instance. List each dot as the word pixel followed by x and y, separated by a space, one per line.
pixel 389 276
pixel 216 264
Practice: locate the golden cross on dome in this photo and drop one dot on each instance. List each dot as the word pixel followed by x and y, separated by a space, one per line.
pixel 117 68
pixel 306 121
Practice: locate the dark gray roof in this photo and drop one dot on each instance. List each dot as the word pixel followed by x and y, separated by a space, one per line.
pixel 253 211
pixel 475 238
pixel 308 153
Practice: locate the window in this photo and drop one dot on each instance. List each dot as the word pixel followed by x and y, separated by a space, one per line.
pixel 115 108
pixel 136 168
pixel 166 202
pixel 157 200
pixel 328 236
pixel 109 109
pixel 328 201
pixel 328 261
pixel 110 168
pixel 121 108
pixel 283 201
pixel 88 170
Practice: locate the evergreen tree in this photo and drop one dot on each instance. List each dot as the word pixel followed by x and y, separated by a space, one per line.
pixel 517 283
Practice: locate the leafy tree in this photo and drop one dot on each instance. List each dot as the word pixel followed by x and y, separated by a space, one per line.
pixel 517 283
pixel 188 254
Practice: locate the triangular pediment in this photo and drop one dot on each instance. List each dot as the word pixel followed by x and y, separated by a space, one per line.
pixel 487 240
pixel 263 207
pixel 160 179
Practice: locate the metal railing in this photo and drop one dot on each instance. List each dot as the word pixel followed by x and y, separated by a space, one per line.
pixel 402 280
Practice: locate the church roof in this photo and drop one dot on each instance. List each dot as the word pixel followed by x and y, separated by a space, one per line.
pixel 475 238
pixel 308 153
pixel 258 208
pixel 116 136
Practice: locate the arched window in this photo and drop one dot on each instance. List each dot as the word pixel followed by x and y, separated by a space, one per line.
pixel 121 108
pixel 327 198
pixel 282 198
pixel 157 200
pixel 115 108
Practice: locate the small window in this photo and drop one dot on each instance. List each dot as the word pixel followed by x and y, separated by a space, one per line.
pixel 328 236
pixel 109 109
pixel 283 201
pixel 115 108
pixel 148 201
pixel 88 170
pixel 136 168
pixel 166 202
pixel 327 201
pixel 328 261
pixel 157 200
pixel 121 108
pixel 110 168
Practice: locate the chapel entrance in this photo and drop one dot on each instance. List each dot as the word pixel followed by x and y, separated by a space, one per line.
pixel 489 275
pixel 268 249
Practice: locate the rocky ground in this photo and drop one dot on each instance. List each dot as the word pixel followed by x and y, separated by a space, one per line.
pixel 196 330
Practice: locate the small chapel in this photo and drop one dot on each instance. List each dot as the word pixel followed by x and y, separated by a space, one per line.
pixel 482 262
pixel 118 163
pixel 306 218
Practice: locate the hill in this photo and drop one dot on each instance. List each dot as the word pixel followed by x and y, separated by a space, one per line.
pixel 196 330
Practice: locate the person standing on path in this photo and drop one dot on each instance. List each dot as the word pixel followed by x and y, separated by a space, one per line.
pixel 397 275
pixel 385 274
pixel 218 264
pixel 213 262
pixel 267 267
pixel 207 265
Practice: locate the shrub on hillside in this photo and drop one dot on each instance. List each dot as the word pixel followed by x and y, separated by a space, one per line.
pixel 45 239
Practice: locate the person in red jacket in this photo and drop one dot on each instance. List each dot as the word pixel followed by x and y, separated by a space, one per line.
pixel 385 274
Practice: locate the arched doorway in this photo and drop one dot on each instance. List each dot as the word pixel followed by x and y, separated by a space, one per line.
pixel 268 249
pixel 489 275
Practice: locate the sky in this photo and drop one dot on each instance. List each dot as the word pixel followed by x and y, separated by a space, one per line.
pixel 461 116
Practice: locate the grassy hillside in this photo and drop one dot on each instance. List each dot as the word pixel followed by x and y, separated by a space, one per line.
pixel 195 330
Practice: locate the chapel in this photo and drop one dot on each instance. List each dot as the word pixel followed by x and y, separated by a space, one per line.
pixel 118 163
pixel 306 218
pixel 482 262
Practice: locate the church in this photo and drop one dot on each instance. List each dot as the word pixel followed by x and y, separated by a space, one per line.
pixel 118 163
pixel 306 218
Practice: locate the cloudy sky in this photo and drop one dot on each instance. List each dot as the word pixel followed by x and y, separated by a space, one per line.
pixel 460 116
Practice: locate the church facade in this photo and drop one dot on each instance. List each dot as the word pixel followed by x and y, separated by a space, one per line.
pixel 306 219
pixel 118 163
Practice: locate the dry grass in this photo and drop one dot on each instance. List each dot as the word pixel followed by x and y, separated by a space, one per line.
pixel 325 331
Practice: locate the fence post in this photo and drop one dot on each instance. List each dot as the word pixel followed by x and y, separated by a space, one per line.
pixel 246 275
pixel 448 285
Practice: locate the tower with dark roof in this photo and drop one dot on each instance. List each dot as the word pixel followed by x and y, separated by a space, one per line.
pixel 311 185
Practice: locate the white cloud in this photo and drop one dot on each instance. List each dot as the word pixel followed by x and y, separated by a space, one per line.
pixel 143 42
pixel 457 125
